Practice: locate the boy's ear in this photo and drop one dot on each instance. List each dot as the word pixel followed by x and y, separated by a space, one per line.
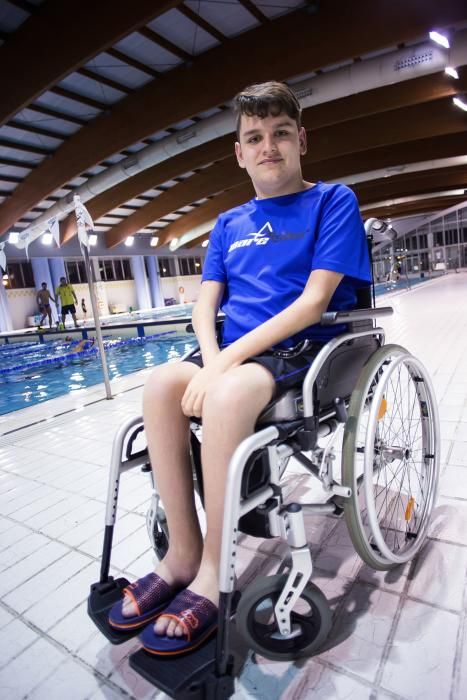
pixel 238 153
pixel 302 140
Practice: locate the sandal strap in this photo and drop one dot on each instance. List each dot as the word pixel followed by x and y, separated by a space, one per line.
pixel 192 611
pixel 148 591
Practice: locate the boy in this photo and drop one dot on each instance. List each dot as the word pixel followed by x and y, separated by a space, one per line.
pixel 68 299
pixel 274 265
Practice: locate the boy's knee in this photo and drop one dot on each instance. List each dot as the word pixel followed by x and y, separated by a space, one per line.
pixel 166 380
pixel 228 395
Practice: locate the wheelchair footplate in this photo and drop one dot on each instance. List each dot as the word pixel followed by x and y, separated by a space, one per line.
pixel 102 596
pixel 190 676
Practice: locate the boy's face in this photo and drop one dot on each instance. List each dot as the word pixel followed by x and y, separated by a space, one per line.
pixel 270 149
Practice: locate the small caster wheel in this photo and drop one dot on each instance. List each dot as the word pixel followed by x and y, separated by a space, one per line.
pixel 158 532
pixel 256 622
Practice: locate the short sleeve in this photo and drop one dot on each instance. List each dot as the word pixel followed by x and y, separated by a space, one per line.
pixel 214 267
pixel 341 242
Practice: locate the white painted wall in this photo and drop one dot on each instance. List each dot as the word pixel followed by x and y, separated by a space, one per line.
pixel 190 284
pixel 22 302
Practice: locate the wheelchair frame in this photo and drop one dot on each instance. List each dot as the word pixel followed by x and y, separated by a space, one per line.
pixel 207 671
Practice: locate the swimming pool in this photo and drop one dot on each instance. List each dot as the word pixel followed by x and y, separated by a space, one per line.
pixel 31 373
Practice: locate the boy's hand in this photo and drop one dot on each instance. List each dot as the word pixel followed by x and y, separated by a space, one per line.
pixel 193 398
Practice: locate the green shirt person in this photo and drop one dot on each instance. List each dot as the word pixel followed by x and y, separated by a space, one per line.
pixel 68 298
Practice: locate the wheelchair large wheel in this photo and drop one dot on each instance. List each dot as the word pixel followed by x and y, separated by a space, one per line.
pixel 255 620
pixel 390 458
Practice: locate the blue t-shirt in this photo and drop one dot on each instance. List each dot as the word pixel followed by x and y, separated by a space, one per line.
pixel 264 251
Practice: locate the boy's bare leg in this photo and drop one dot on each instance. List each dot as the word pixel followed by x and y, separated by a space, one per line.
pixel 167 434
pixel 230 411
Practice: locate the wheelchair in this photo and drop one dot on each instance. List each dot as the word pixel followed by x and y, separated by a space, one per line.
pixel 373 401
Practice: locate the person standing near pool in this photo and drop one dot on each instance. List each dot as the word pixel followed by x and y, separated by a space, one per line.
pixel 43 301
pixel 68 299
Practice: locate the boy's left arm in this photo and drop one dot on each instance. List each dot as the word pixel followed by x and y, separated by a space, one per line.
pixel 303 312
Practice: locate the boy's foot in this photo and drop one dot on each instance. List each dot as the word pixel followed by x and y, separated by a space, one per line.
pixel 185 574
pixel 205 586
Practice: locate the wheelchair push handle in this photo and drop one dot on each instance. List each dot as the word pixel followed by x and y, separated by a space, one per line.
pixel 331 318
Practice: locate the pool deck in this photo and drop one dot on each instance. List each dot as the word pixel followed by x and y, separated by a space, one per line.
pixel 400 635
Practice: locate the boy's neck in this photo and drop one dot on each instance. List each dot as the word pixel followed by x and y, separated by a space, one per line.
pixel 292 188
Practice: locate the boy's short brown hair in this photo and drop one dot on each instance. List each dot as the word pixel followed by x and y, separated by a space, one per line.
pixel 267 99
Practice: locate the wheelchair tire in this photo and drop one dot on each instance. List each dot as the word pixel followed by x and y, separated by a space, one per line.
pixel 390 458
pixel 255 620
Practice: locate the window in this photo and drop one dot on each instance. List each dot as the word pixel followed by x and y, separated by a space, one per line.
pixel 190 266
pixel 167 267
pixel 76 271
pixel 112 269
pixel 20 275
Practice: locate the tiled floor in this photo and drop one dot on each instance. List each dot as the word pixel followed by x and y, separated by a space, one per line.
pixel 397 635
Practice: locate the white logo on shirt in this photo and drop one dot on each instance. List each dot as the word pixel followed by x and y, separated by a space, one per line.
pixel 258 238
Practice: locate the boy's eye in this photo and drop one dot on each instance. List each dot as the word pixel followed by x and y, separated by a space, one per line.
pixel 253 139
pixel 282 132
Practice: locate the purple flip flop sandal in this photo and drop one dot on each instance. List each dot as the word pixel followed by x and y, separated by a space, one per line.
pixel 196 614
pixel 151 594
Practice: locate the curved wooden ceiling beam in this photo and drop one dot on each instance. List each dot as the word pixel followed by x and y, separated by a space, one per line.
pixel 305 45
pixel 416 91
pixel 357 137
pixel 149 178
pixel 216 178
pixel 69 43
pixel 395 126
pixel 392 156
pixel 407 184
pixel 421 206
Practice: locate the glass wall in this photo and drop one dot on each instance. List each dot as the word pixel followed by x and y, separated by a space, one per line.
pixel 439 245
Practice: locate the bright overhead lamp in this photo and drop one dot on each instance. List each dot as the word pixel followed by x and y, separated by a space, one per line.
pixel 205 243
pixel 173 245
pixel 13 237
pixel 47 239
pixel 92 239
pixel 440 39
pixel 449 70
pixel 154 241
pixel 129 240
pixel 462 104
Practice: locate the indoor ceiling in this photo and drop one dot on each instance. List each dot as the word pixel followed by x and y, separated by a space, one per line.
pixel 91 84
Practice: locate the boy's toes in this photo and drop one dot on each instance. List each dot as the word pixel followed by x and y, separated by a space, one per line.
pixel 128 607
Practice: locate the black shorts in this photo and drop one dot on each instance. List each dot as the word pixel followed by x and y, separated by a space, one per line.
pixel 288 367
pixel 44 307
pixel 68 308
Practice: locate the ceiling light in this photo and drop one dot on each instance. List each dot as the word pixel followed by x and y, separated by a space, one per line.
pixel 173 245
pixel 449 70
pixel 93 239
pixel 439 39
pixel 205 243
pixel 47 238
pixel 460 103
pixel 13 237
pixel 129 240
pixel 154 241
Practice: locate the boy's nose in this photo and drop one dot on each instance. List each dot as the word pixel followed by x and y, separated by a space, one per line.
pixel 269 145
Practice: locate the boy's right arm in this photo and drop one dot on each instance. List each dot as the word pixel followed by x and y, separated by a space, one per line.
pixel 204 318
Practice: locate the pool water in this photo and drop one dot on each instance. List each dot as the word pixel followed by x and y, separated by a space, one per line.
pixel 23 385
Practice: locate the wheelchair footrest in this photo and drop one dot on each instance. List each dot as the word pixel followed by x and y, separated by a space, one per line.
pixel 101 598
pixel 188 677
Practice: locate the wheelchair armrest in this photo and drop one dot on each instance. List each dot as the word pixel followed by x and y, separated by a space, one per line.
pixel 219 324
pixel 331 318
